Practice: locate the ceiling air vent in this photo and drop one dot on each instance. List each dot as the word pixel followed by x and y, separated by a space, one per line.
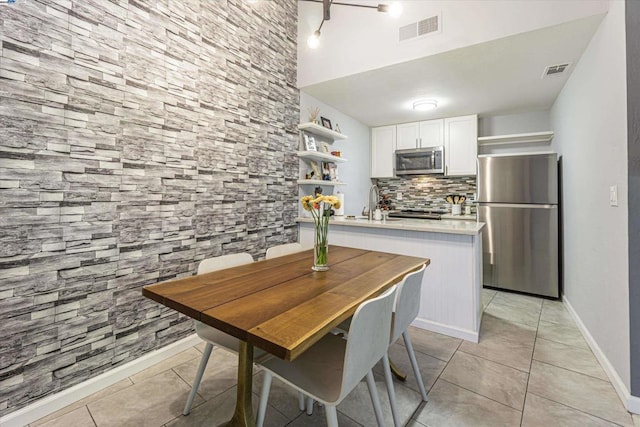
pixel 421 28
pixel 409 31
pixel 553 70
pixel 429 25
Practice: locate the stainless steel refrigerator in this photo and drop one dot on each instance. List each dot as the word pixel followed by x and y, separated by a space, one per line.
pixel 518 200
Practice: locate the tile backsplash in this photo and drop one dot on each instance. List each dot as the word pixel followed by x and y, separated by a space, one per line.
pixel 427 192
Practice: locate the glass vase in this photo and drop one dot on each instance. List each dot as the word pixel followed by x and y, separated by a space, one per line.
pixel 320 251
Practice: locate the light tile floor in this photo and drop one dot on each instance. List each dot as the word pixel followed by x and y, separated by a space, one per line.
pixel 531 368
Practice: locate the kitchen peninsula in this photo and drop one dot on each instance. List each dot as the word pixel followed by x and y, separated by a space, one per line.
pixel 451 301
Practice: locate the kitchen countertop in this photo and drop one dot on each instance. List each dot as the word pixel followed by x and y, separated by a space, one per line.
pixel 460 217
pixel 449 226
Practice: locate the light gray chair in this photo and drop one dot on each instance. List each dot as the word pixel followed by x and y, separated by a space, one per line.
pixel 212 336
pixel 330 369
pixel 406 310
pixel 282 250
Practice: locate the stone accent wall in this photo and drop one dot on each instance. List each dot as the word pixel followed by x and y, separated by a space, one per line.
pixel 136 138
pixel 427 192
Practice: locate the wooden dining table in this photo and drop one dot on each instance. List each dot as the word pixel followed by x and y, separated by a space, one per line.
pixel 281 305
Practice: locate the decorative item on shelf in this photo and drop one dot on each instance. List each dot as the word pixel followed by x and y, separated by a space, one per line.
pixel 337 129
pixel 333 171
pixel 315 170
pixel 324 147
pixel 313 114
pixel 326 176
pixel 320 207
pixel 336 153
pixel 309 143
pixel 326 122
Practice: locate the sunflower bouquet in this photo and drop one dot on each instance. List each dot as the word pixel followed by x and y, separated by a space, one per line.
pixel 320 207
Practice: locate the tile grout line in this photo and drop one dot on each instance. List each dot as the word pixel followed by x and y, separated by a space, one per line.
pixel 422 405
pixel 482 395
pixel 575 409
pixel 533 351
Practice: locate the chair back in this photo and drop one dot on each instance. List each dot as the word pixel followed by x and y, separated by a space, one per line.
pixel 282 250
pixel 368 339
pixel 407 302
pixel 225 261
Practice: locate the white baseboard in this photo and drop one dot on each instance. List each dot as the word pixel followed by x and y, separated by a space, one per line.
pixel 51 404
pixel 632 403
pixel 446 330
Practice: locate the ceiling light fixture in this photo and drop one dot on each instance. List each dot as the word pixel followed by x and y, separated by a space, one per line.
pixel 394 9
pixel 425 104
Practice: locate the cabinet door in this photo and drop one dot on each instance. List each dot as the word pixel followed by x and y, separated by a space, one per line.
pixel 432 133
pixel 461 145
pixel 383 145
pixel 407 136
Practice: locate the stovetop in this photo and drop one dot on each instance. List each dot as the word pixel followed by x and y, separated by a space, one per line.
pixel 418 213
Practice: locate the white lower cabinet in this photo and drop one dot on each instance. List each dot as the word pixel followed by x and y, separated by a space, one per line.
pixel 383 145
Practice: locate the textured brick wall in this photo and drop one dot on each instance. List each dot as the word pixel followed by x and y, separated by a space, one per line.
pixel 427 191
pixel 136 138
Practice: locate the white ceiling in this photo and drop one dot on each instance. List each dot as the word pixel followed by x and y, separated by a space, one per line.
pixel 498 77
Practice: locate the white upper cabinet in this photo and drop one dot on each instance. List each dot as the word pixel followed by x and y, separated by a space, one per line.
pixel 383 145
pixel 432 133
pixel 408 136
pixel 461 145
pixel 429 133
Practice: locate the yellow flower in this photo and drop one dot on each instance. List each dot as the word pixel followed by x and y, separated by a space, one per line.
pixel 307 203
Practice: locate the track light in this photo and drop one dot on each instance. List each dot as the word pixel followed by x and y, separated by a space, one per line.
pixel 314 40
pixel 394 9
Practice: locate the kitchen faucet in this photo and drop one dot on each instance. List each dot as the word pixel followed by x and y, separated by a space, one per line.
pixel 374 196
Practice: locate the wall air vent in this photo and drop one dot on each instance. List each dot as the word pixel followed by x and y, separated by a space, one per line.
pixel 424 27
pixel 552 70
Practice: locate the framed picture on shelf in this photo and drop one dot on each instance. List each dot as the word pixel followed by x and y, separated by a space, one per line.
pixel 324 147
pixel 326 123
pixel 309 143
pixel 333 171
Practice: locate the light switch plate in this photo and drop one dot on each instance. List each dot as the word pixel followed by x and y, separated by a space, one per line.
pixel 613 195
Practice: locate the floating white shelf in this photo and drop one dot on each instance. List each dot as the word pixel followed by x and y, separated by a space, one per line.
pixel 319 182
pixel 518 138
pixel 321 131
pixel 323 157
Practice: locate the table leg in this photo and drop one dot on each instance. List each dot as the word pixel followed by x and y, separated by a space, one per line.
pixel 396 372
pixel 243 415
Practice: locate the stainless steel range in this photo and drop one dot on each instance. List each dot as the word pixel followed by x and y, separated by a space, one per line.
pixel 418 213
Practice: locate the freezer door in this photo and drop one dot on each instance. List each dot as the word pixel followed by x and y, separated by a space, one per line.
pixel 520 247
pixel 518 179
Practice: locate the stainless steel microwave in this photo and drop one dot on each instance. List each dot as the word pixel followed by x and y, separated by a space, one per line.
pixel 419 161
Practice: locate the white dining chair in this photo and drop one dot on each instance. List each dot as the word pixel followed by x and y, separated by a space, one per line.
pixel 282 250
pixel 330 369
pixel 212 336
pixel 406 309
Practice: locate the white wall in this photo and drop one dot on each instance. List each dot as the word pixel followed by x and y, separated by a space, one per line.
pixel 533 121
pixel 590 123
pixel 363 39
pixel 355 172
